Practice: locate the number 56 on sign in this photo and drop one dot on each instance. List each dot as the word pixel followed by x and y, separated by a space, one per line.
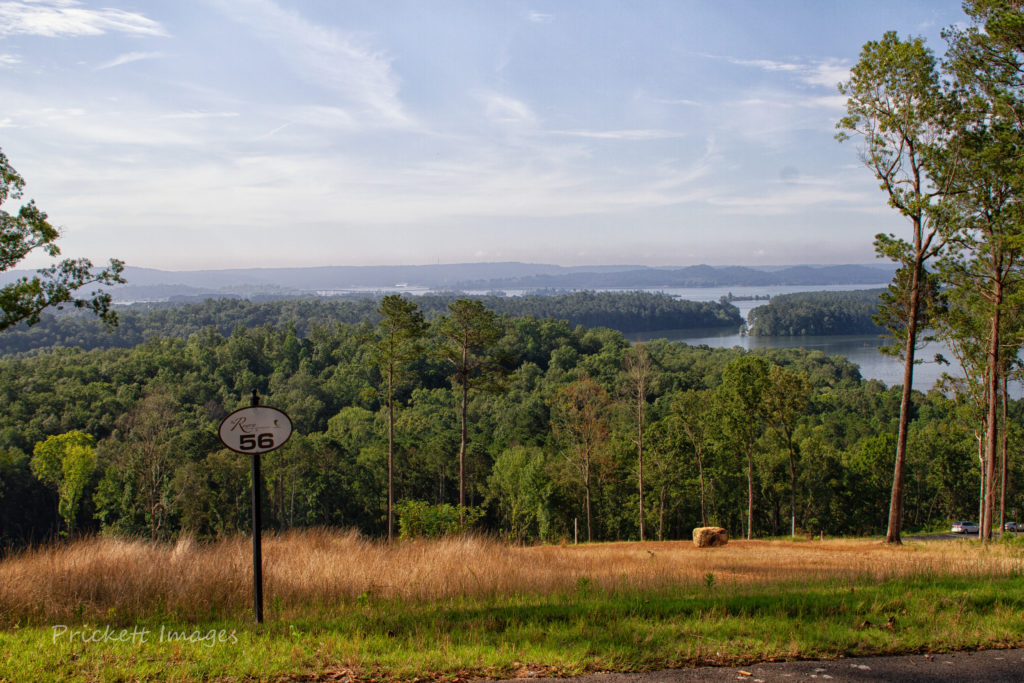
pixel 255 430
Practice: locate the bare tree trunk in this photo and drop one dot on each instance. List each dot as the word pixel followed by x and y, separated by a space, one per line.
pixel 981 484
pixel 792 493
pixel 661 514
pixel 462 453
pixel 1005 437
pixel 703 507
pixel 896 501
pixel 463 412
pixel 638 369
pixel 991 431
pixel 391 453
pixel 750 494
pixel 586 486
pixel 640 459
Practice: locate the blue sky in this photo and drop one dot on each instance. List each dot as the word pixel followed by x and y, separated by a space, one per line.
pixel 262 133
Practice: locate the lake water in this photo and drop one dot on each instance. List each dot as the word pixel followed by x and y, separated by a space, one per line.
pixel 861 349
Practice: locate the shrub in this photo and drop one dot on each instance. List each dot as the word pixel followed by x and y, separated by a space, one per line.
pixel 420 519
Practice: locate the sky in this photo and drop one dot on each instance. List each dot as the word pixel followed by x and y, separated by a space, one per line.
pixel 270 133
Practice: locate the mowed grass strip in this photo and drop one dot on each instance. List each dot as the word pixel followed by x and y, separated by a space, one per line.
pixel 715 607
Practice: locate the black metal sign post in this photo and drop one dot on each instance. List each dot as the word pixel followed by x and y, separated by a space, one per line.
pixel 256 430
pixel 257 529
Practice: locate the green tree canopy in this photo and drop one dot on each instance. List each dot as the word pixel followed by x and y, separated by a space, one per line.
pixel 468 335
pixel 398 343
pixel 29 230
pixel 65 463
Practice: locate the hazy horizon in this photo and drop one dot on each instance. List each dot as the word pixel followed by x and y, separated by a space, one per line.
pixel 873 262
pixel 276 133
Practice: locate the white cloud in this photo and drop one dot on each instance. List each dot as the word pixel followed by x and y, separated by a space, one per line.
pixel 825 73
pixel 673 179
pixel 320 194
pixel 540 17
pixel 828 73
pixel 88 124
pixel 7 60
pixel 321 117
pixel 787 101
pixel 677 100
pixel 272 132
pixel 789 198
pixel 327 58
pixel 631 135
pixel 505 109
pixel 128 58
pixel 827 102
pixel 765 64
pixel 56 18
pixel 201 115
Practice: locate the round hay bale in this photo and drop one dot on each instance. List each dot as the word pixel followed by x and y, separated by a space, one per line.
pixel 710 536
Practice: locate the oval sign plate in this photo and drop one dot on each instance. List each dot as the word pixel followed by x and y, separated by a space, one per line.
pixel 255 430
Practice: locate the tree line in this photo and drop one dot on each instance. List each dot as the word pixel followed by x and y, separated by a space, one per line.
pixel 632 311
pixel 529 428
pixel 817 313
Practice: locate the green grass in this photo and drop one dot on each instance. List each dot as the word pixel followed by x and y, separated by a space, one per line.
pixel 571 632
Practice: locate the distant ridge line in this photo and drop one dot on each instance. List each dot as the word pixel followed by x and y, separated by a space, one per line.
pixel 509 275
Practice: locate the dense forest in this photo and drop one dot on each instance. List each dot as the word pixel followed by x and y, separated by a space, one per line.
pixel 562 424
pixel 623 311
pixel 807 313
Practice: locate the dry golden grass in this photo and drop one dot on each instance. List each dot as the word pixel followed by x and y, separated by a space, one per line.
pixel 124 580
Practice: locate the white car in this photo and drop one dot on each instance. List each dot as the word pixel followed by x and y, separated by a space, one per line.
pixel 965 528
pixel 1013 526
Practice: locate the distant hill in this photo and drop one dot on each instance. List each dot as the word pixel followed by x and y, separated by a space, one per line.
pixel 147 284
pixel 697 276
pixel 348 277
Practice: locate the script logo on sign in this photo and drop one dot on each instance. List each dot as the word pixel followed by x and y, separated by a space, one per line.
pixel 255 430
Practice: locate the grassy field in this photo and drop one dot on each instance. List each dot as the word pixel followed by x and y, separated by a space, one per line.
pixel 339 607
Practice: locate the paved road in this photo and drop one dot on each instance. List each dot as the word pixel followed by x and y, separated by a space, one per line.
pixel 991 666
pixel 943 537
pixel 947 536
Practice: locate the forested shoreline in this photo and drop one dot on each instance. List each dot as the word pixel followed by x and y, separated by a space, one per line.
pixel 633 311
pixel 555 425
pixel 817 313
